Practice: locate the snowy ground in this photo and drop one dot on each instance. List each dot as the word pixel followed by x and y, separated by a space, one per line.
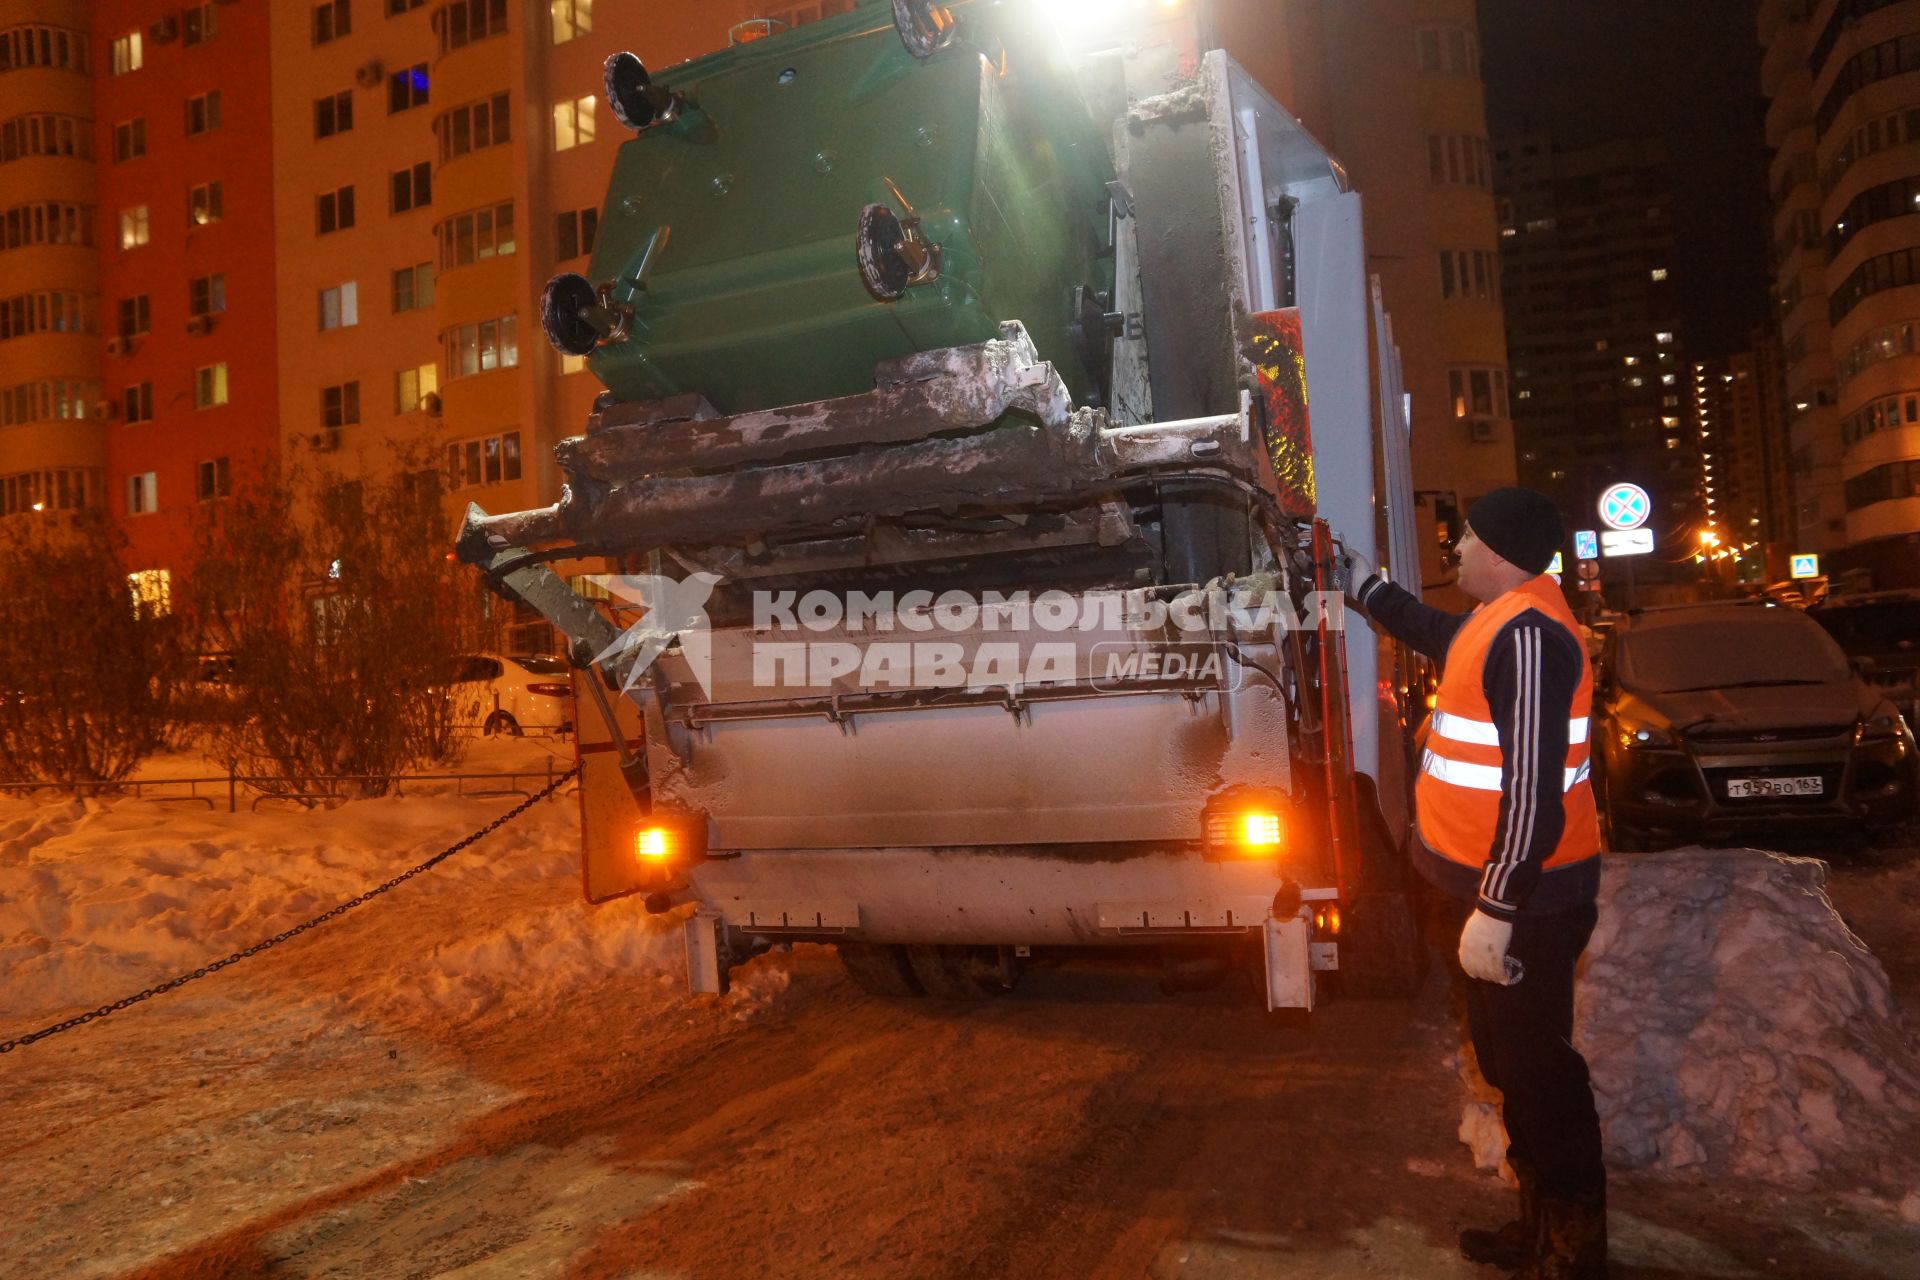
pixel 478 1076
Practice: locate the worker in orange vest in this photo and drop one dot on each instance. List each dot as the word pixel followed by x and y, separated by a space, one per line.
pixel 1506 828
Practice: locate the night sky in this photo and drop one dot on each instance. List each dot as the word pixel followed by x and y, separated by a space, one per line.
pixel 1687 70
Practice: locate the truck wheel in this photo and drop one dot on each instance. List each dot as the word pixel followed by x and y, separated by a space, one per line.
pixel 1381 953
pixel 959 973
pixel 879 969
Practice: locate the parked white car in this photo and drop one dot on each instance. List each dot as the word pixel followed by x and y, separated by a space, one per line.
pixel 521 693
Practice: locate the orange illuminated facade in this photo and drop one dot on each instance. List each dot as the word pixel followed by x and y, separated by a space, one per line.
pixel 52 453
pixel 185 172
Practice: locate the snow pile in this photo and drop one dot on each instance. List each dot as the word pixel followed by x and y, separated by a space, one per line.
pixel 101 898
pixel 1735 1027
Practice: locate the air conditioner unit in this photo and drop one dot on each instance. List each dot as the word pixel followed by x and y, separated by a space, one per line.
pixel 117 345
pixel 199 326
pixel 431 403
pixel 164 30
pixel 324 441
pixel 1481 432
pixel 370 75
pixel 106 410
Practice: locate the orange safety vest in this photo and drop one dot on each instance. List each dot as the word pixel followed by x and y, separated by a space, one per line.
pixel 1457 797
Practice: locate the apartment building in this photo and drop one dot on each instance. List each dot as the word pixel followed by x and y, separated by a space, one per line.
pixel 1742 431
pixel 1602 387
pixel 1843 120
pixel 52 439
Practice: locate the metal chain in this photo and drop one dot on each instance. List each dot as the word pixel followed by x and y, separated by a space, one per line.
pixel 8 1046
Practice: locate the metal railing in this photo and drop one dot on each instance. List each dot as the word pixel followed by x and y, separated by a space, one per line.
pixel 313 788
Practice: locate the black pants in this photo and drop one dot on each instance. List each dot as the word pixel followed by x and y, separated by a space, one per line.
pixel 1523 1037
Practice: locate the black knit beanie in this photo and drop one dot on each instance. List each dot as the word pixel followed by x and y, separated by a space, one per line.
pixel 1521 526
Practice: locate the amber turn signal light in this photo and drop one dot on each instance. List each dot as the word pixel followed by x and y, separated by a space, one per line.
pixel 1245 825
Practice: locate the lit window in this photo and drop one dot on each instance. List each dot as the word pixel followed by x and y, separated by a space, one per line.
pixel 1658 273
pixel 411 386
pixel 133 227
pixel 571 19
pixel 573 123
pixel 1663 338
pixel 126 53
pixel 210 386
pixel 151 589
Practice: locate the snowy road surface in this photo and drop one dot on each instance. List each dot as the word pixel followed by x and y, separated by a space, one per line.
pixel 474 1077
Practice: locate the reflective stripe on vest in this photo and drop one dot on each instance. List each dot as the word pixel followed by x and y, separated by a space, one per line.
pixel 1483 733
pixel 1486 777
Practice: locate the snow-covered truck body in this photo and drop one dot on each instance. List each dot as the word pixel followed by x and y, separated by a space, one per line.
pixel 1029 642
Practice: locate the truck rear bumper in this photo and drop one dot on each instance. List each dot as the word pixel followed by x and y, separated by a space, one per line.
pixel 974 896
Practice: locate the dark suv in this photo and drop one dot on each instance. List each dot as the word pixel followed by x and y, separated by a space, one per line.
pixel 1880 631
pixel 1721 720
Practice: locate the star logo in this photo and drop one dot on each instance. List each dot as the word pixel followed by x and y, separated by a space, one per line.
pixel 676 611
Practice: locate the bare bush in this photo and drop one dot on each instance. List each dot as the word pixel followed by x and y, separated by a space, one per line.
pixel 342 615
pixel 91 681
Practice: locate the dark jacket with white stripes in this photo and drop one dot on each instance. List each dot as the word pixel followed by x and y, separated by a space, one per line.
pixel 1512 881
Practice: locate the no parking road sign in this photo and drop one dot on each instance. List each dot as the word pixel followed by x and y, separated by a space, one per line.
pixel 1625 506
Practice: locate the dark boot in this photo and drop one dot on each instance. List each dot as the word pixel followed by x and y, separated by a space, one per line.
pixel 1511 1245
pixel 1572 1244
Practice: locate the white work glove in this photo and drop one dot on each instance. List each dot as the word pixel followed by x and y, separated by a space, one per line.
pixel 1350 569
pixel 1483 948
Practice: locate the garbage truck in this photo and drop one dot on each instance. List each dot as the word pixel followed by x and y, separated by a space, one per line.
pixel 984 417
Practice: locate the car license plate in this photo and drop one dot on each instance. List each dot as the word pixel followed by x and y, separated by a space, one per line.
pixel 1755 788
